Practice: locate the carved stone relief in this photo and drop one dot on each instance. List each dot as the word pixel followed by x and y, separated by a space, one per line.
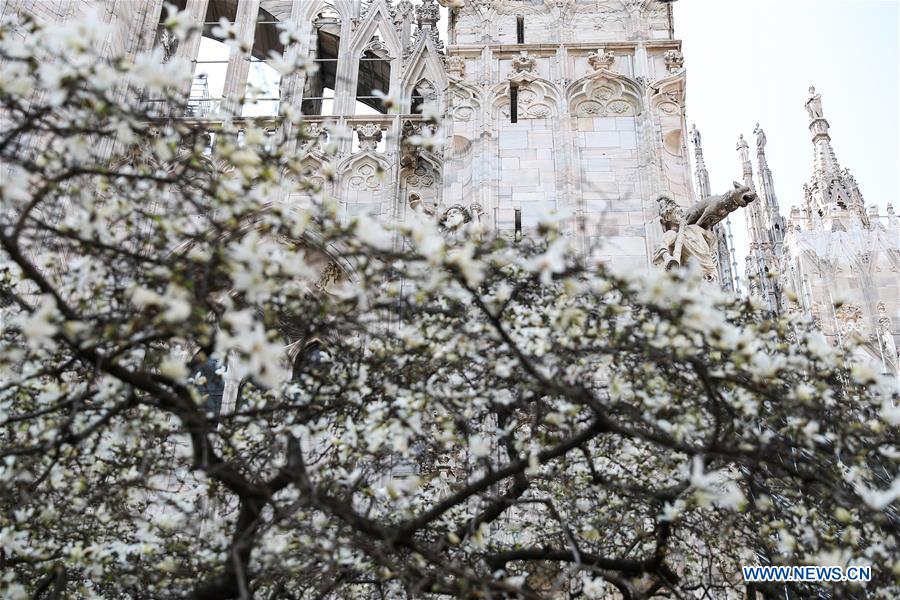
pixel 601 59
pixel 365 177
pixel 602 97
pixel 369 135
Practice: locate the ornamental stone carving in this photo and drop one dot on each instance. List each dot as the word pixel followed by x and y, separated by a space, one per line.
pixel 848 318
pixel 884 321
pixel 313 135
pixel 532 104
pixel 417 204
pixel 601 59
pixel 427 14
pixel 330 274
pixel 421 177
pixel 377 47
pixel 365 177
pixel 523 63
pixel 602 97
pixel 456 66
pixel 537 98
pixel 674 60
pixel 369 135
pixel 169 44
pixel 687 234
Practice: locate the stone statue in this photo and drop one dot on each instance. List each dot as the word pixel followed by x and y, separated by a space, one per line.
pixel 694 136
pixel 814 104
pixel 743 149
pixel 760 138
pixel 709 212
pixel 454 217
pixel 688 235
pixel 169 44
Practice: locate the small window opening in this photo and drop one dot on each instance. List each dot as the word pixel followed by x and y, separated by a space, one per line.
pixel 520 30
pixel 518 224
pixel 513 104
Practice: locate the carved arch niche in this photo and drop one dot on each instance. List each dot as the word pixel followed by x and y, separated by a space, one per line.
pixel 463 102
pixel 313 171
pixel 364 180
pixel 537 98
pixel 604 94
pixel 667 103
pixel 421 184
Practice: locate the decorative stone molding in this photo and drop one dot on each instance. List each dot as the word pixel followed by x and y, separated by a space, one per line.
pixel 402 13
pixel 313 137
pixel 369 135
pixel 674 60
pixel 427 91
pixel 409 153
pixel 667 99
pixel 601 59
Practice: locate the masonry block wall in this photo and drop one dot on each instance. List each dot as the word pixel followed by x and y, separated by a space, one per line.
pixel 597 131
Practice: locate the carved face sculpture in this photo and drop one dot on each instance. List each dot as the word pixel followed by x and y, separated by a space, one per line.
pixel 454 217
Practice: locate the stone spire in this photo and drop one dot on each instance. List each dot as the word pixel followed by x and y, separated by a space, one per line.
pixel 823 158
pixel 427 16
pixel 762 260
pixel 703 187
pixel 403 20
pixel 724 248
pixel 832 196
pixel 753 214
pixel 772 220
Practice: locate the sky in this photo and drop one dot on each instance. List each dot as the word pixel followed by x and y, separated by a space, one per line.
pixel 752 61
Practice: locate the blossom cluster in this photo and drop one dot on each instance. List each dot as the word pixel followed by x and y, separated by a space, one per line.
pixel 213 381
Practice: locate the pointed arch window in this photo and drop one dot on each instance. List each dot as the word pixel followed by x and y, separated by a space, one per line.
pixel 374 78
pixel 211 62
pixel 319 89
pixel 263 88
